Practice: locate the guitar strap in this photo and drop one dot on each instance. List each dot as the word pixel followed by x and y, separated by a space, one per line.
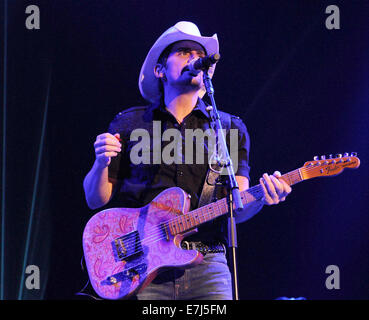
pixel 209 190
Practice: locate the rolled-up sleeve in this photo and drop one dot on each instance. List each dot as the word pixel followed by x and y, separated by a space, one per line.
pixel 243 148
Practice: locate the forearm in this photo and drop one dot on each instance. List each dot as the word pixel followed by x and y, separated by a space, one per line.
pixel 98 189
pixel 248 211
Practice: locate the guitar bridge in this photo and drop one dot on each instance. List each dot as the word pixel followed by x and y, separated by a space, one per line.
pixel 130 274
pixel 127 247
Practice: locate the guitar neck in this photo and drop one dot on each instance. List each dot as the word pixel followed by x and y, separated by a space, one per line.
pixel 216 209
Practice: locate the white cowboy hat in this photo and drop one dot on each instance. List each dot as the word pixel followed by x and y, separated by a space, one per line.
pixel 183 30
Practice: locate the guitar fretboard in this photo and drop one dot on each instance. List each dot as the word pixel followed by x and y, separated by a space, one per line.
pixel 192 219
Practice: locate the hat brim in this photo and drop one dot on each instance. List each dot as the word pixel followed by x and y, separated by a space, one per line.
pixel 148 83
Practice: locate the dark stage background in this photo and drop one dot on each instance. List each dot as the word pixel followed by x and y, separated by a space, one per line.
pixel 301 89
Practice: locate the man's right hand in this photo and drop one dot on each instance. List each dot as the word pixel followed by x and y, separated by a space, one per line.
pixel 107 146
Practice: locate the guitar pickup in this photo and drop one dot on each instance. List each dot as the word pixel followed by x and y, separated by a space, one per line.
pixel 127 246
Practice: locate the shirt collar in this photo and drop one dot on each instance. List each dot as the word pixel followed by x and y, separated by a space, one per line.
pixel 201 106
pixel 159 107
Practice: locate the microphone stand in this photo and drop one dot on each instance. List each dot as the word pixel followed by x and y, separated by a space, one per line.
pixel 234 197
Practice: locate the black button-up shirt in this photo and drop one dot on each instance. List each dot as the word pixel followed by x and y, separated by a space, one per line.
pixel 142 182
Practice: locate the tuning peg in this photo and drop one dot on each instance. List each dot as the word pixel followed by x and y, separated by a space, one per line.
pixel 316 158
pixel 346 154
pixel 322 157
pixel 338 155
pixel 353 154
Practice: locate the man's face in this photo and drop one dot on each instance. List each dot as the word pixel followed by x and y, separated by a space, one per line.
pixel 181 54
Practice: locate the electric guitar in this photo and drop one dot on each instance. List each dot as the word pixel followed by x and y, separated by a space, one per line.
pixel 125 248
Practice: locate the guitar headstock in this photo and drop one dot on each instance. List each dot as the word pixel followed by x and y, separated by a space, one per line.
pixel 329 166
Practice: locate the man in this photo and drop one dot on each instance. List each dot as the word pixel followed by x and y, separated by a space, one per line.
pixel 175 94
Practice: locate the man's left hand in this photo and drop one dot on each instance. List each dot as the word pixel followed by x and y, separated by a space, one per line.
pixel 275 189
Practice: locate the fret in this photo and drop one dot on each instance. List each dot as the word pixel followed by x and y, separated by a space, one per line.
pixel 181 226
pixel 171 230
pixel 185 222
pixel 213 210
pixel 293 177
pixel 183 218
pixel 174 226
pixel 206 213
pixel 289 181
pixel 195 217
pixel 210 212
pixel 299 175
pixel 189 216
pixel 177 226
pixel 190 219
pixel 199 214
pixel 224 205
pixel 198 217
pixel 218 209
pixel 189 222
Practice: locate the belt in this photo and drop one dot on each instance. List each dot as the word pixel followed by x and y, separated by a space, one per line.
pixel 216 247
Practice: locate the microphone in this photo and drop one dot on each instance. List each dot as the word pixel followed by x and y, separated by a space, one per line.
pixel 203 63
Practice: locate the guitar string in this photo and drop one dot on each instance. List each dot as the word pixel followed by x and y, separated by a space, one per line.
pixel 157 235
pixel 148 240
pixel 158 230
pixel 183 220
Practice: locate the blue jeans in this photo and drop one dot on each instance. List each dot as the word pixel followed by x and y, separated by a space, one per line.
pixel 209 280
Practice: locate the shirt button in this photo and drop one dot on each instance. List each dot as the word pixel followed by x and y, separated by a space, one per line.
pixel 180 173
